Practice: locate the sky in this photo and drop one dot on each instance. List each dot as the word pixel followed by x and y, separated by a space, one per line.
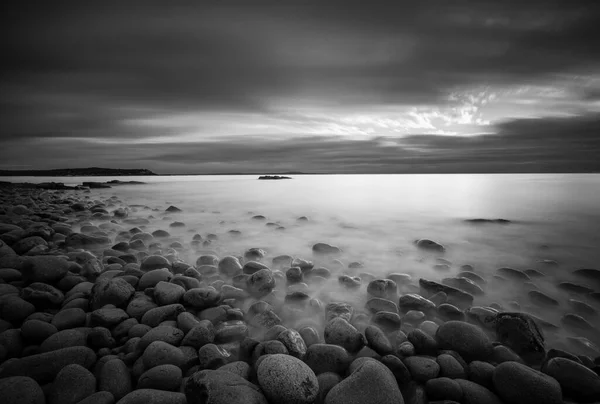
pixel 316 86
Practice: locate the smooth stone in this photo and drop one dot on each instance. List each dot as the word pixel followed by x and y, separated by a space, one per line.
pixel 115 291
pixel 36 331
pixel 339 332
pixel 371 382
pixel 422 368
pixel 520 332
pixel 168 293
pixel 377 340
pixel 475 394
pixel 162 377
pixel 323 358
pixel 153 396
pixel 468 340
pixel 286 379
pixel 221 387
pixel 157 315
pixel 443 388
pixel 413 301
pixel 44 367
pixel 71 385
pixel 45 268
pixel 519 384
pixel 450 367
pixel 576 380
pixel 481 373
pixel 162 353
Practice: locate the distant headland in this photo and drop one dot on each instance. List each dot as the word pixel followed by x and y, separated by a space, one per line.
pixel 78 172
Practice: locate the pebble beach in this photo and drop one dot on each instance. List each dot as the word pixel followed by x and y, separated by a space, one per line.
pixel 103 301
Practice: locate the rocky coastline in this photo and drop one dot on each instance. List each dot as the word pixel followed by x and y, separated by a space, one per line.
pixel 97 305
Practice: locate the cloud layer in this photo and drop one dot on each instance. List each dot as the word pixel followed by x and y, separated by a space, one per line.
pixel 311 86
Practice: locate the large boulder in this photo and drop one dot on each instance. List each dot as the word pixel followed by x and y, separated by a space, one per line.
pixel 286 379
pixel 468 340
pixel 115 291
pixel 520 384
pixel 45 268
pixel 371 382
pixel 519 332
pixel 221 387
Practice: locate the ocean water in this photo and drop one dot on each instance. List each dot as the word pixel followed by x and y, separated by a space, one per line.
pixel 374 219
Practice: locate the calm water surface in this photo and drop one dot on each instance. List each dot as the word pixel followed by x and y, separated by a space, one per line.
pixel 375 218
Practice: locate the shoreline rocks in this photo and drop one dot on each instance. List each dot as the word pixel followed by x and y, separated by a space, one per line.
pixel 93 310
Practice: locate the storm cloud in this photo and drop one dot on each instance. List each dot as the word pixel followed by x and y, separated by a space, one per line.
pixel 314 86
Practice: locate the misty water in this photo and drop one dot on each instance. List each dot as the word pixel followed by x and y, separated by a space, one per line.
pixel 374 219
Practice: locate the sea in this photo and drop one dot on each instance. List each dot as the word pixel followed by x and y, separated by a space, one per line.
pixel 554 223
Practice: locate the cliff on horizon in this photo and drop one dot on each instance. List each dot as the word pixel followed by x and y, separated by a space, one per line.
pixel 78 172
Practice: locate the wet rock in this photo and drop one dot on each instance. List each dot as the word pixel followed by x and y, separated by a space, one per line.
pixel 450 312
pixel 286 379
pixel 472 276
pixel 576 380
pixel 202 298
pixel 481 373
pixel 339 332
pixel 322 358
pixel 387 321
pixel 325 249
pixel 383 288
pixel 424 344
pixel 221 387
pixel 468 340
pixel 429 245
pixel 520 384
pixel 429 288
pixel 293 342
pixel 576 322
pixel 519 332
pixel 201 334
pixel 582 308
pixel 413 301
pixel 482 316
pixel 574 288
pixel 450 367
pixel 108 316
pixel 464 284
pixel 422 368
pixel 230 266
pixel 377 304
pixel 155 316
pixel 64 339
pixel 115 291
pixel 370 383
pixel 261 283
pixel 167 293
pixel 212 356
pixel 541 299
pixel 14 309
pixel 511 273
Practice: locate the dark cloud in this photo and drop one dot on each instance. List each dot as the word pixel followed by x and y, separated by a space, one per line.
pixel 75 69
pixel 527 145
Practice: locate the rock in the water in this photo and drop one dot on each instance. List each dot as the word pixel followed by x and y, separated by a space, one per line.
pixel 467 339
pixel 285 379
pixel 340 332
pixel 520 384
pixel 429 245
pixel 413 301
pixel 371 382
pixel 21 390
pixel 429 288
pixel 519 332
pixel 422 368
pixel 576 380
pixel 325 249
pixel 221 387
